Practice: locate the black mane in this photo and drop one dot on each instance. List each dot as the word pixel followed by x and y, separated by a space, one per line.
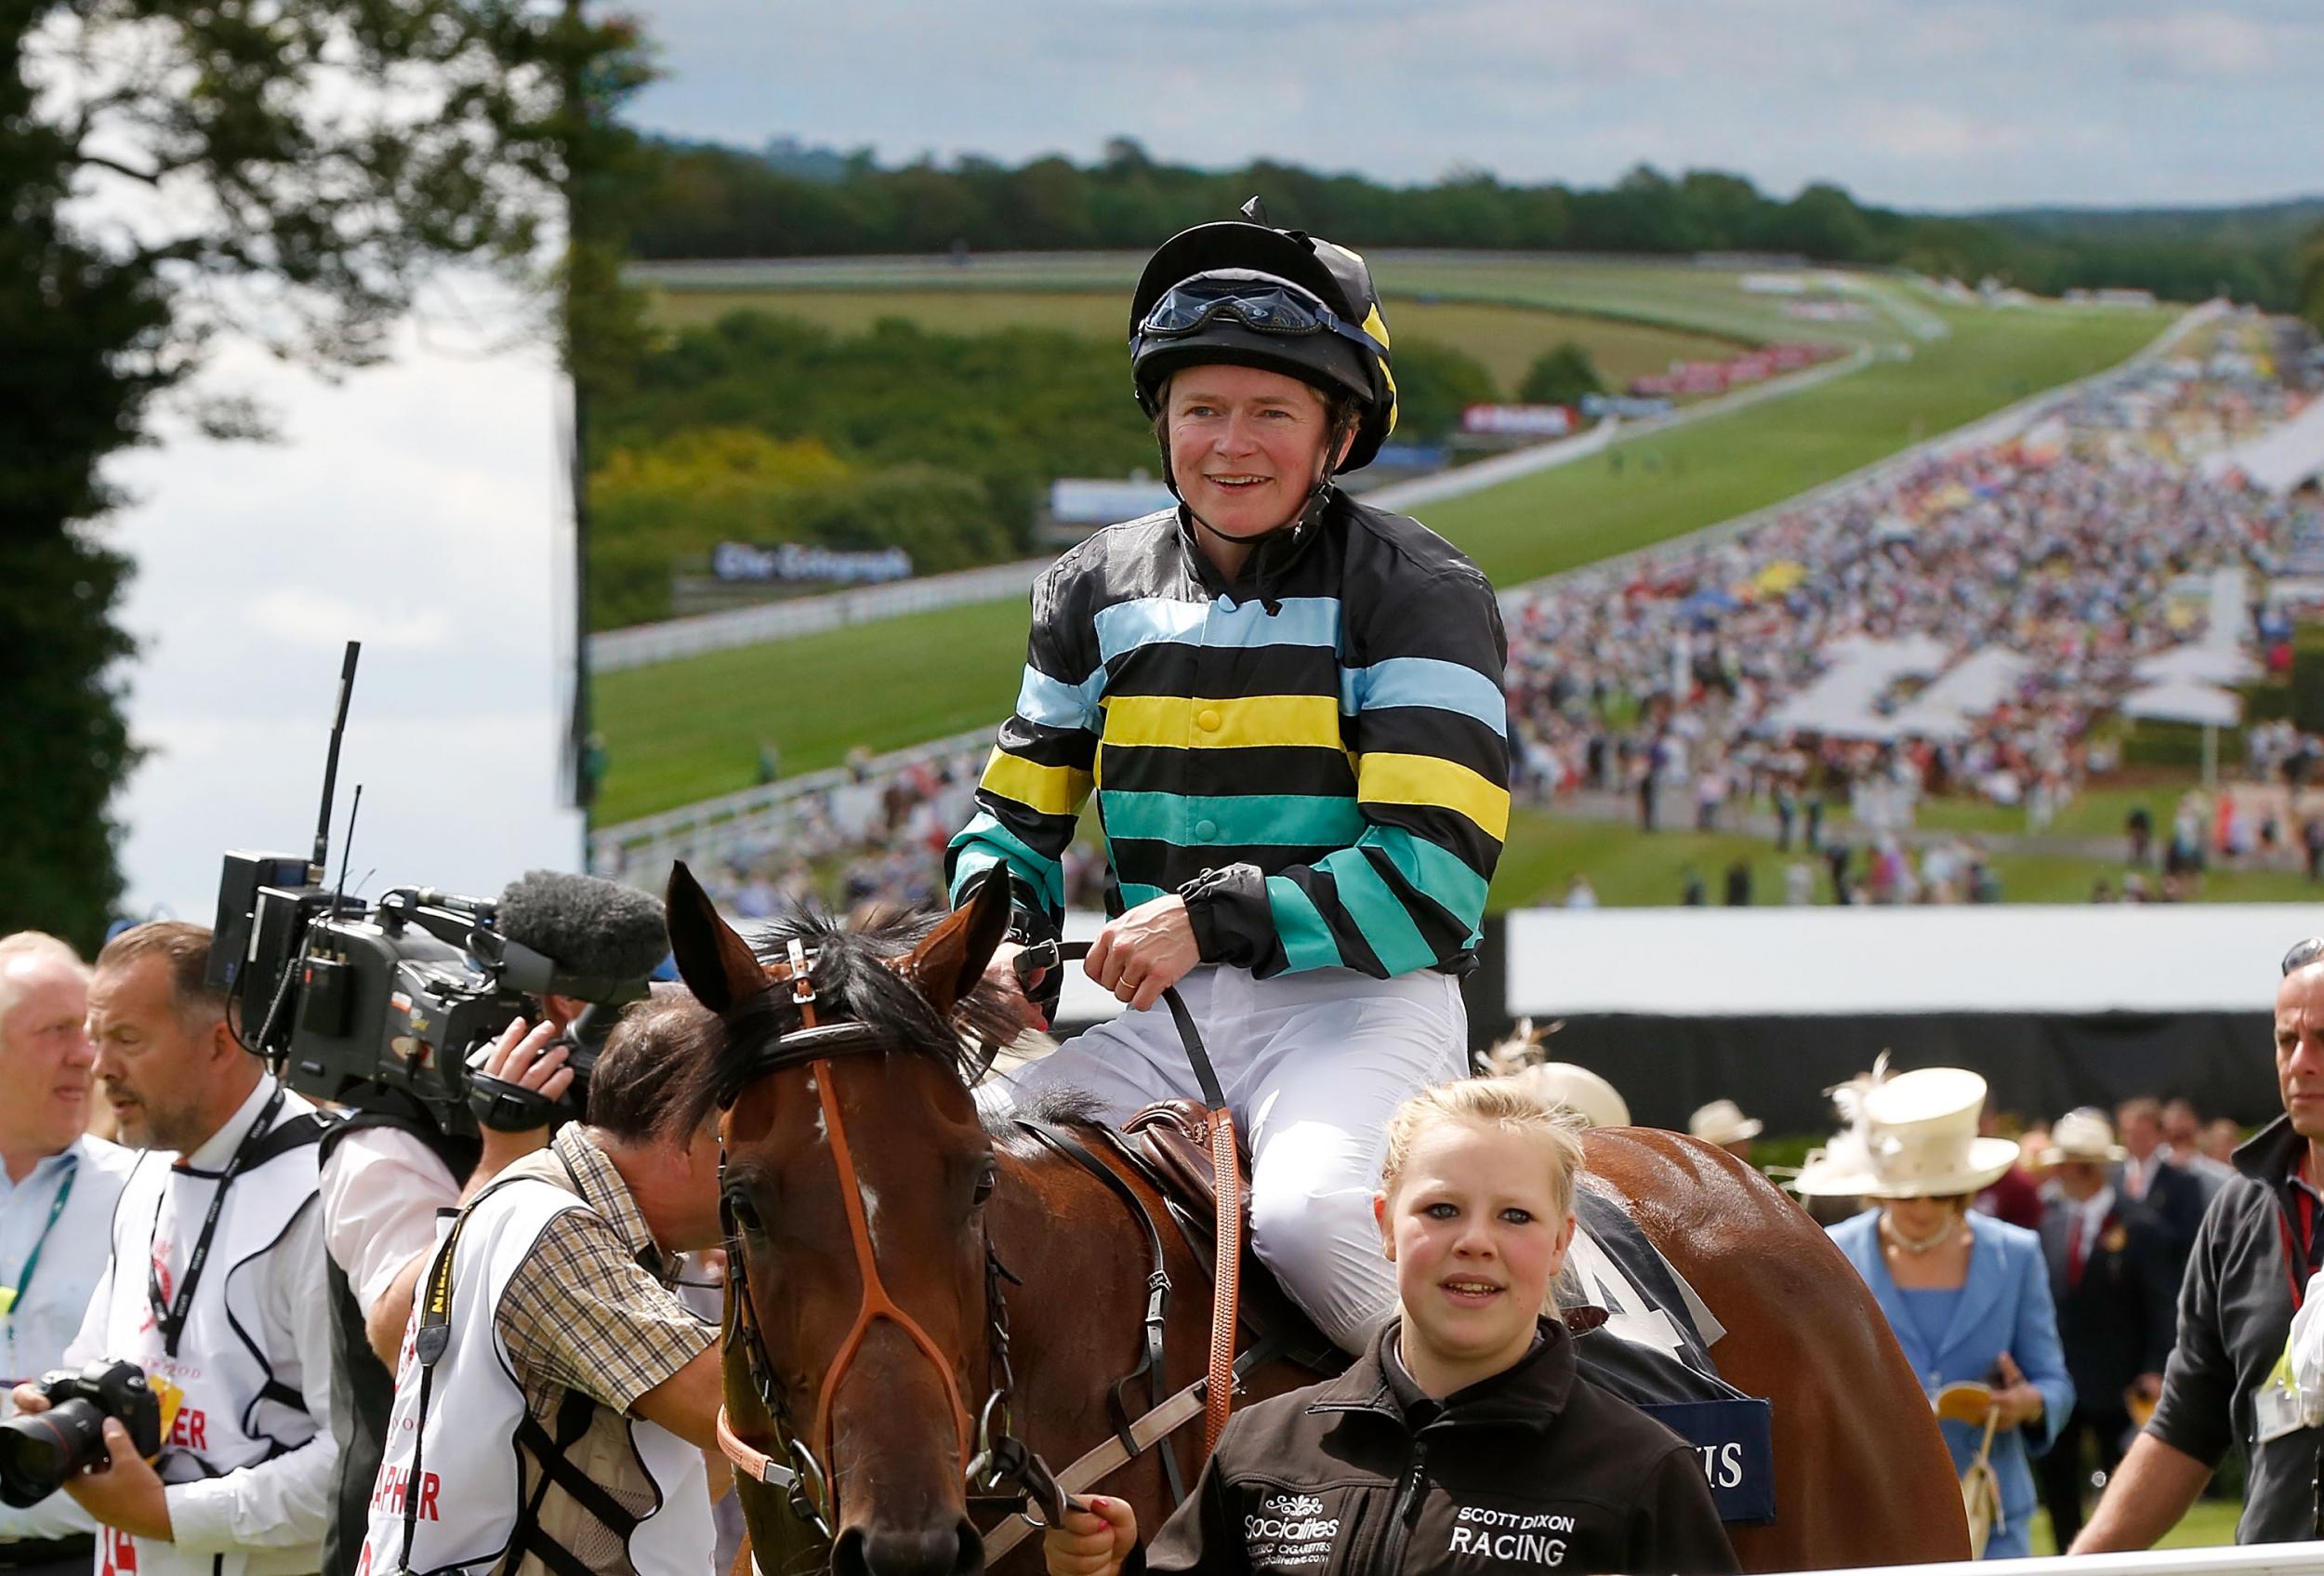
pixel 853 983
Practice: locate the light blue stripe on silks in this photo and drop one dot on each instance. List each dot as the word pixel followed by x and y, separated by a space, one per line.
pixel 1425 680
pixel 1125 626
pixel 1054 703
pixel 1307 941
pixel 985 842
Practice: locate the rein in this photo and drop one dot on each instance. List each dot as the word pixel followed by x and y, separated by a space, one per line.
pixel 1000 1470
pixel 998 1466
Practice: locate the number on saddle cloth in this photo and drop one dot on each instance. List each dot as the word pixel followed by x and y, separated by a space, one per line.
pixel 1654 1350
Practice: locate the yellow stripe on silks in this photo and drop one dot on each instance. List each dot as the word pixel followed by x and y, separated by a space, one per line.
pixel 1052 791
pixel 1425 780
pixel 1175 722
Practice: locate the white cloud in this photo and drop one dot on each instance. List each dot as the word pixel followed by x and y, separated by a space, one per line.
pixel 416 507
pixel 1938 103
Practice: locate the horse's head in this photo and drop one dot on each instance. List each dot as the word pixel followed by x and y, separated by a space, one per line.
pixel 856 1176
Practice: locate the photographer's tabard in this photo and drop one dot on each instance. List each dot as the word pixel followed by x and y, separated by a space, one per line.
pixel 183 1305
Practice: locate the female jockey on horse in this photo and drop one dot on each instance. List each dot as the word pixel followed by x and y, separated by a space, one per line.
pixel 1290 708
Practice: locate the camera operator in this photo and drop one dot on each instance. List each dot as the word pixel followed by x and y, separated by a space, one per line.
pixel 54 1206
pixel 215 1283
pixel 389 1171
pixel 553 1334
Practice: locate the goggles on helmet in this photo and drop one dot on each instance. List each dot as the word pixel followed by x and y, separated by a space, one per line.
pixel 1257 301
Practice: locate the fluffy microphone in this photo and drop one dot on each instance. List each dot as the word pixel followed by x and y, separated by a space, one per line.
pixel 591 927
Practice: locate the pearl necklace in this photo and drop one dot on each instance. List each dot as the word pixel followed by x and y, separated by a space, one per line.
pixel 1920 1245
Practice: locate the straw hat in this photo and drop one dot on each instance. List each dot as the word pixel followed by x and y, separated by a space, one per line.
pixel 1596 1101
pixel 1723 1122
pixel 1911 1136
pixel 2085 1136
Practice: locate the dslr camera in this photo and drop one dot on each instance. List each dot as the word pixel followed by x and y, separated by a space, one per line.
pixel 39 1451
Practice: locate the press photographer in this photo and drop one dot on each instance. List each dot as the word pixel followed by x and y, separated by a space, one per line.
pixel 61 1184
pixel 424 1132
pixel 213 1292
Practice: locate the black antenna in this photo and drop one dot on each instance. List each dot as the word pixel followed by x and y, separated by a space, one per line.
pixel 346 849
pixel 331 765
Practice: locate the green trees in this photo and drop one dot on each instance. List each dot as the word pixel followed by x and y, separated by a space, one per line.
pixel 290 172
pixel 720 203
pixel 2312 279
pixel 1560 375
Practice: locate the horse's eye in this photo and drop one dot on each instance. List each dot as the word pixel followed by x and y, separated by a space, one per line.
pixel 985 1181
pixel 739 1212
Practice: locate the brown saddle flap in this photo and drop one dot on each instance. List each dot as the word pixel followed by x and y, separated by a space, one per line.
pixel 1173 1138
pixel 1169 1142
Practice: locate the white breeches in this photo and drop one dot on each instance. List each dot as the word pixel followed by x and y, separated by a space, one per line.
pixel 1312 1065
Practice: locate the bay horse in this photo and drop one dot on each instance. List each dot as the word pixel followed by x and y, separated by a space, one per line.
pixel 902 1276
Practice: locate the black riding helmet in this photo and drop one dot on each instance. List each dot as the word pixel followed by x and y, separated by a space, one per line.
pixel 1342 348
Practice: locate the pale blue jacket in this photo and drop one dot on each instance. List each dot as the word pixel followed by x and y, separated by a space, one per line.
pixel 2004 1307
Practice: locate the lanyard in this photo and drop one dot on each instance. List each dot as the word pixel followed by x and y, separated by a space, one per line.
pixel 172 1317
pixel 10 1296
pixel 2300 1259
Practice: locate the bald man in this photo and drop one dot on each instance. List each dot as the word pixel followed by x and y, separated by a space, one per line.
pixel 2250 1266
pixel 57 1192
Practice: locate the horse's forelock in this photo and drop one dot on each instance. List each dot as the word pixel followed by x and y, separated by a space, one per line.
pixel 856 978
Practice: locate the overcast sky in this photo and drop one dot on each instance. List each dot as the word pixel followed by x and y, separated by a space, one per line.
pixel 1938 104
pixel 414 507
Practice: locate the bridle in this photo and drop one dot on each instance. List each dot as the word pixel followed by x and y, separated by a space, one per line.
pixel 999 1470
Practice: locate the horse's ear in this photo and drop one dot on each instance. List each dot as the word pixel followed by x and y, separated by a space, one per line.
pixel 716 964
pixel 948 964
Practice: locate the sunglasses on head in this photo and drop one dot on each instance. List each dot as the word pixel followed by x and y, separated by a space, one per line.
pixel 1260 304
pixel 2303 953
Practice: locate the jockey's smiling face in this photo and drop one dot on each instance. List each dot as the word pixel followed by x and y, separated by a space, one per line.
pixel 1477 1230
pixel 1247 445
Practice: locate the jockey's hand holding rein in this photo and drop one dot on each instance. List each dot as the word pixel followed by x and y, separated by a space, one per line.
pixel 1136 958
pixel 1146 951
pixel 1093 1541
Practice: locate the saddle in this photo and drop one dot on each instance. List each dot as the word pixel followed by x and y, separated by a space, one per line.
pixel 1169 1144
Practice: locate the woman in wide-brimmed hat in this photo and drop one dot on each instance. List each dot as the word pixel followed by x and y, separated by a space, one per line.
pixel 1967 1295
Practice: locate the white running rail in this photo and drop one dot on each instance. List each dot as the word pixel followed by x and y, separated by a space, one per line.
pixel 2253 1559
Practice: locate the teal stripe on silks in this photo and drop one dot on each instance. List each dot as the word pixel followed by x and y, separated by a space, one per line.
pixel 1379 913
pixel 1056 704
pixel 1439 872
pixel 1425 680
pixel 1307 942
pixel 984 841
pixel 1135 892
pixel 1125 626
pixel 1279 819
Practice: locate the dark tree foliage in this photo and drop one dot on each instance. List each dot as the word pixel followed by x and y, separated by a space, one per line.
pixel 2312 279
pixel 179 170
pixel 717 202
pixel 1560 375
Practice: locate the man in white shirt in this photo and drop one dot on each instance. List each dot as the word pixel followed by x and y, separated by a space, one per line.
pixel 57 1192
pixel 215 1283
pixel 387 1170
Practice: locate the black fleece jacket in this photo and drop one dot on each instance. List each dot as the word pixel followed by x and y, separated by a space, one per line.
pixel 1533 1469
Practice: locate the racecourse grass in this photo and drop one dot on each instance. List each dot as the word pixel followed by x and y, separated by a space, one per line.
pixel 1505 338
pixel 1628 867
pixel 679 732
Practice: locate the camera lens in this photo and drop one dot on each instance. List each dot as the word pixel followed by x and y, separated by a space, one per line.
pixel 39 1452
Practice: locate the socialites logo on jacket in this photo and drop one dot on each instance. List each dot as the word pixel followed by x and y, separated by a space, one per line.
pixel 1289 1531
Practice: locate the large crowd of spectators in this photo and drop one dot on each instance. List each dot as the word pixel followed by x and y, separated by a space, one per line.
pixel 1663 677
pixel 1660 679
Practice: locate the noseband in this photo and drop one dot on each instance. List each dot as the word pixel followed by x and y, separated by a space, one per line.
pixel 999 1469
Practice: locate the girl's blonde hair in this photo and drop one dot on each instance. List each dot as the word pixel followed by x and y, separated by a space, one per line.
pixel 1512 1104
